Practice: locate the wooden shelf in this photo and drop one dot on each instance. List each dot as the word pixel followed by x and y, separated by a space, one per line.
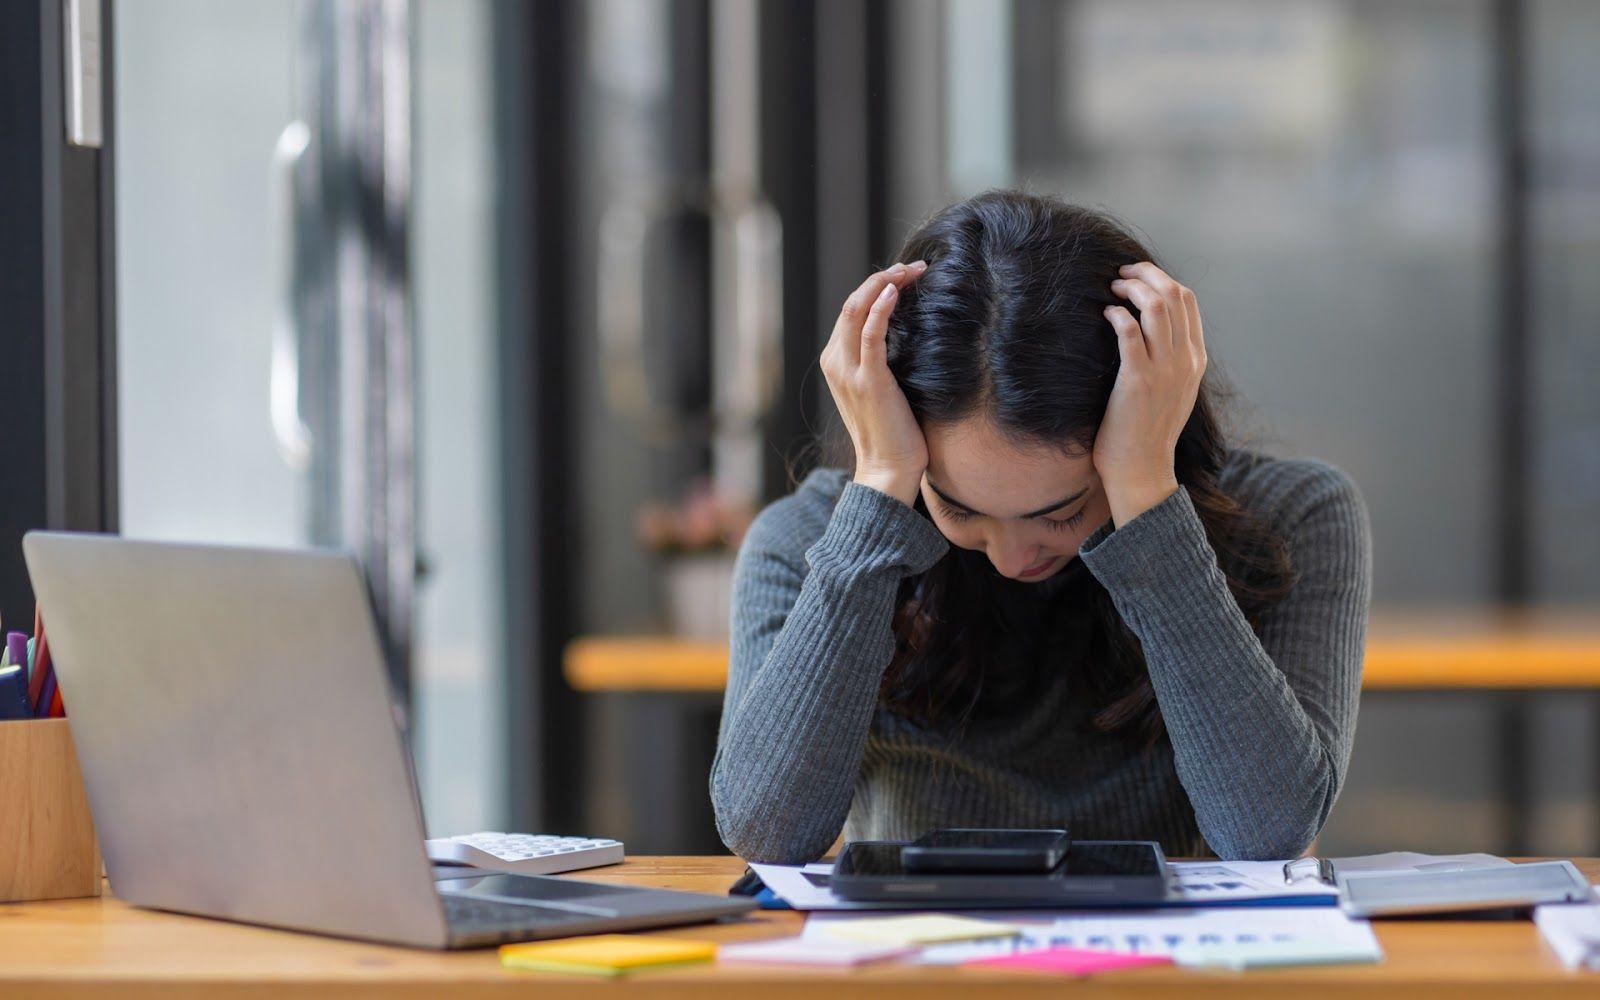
pixel 646 663
pixel 1428 650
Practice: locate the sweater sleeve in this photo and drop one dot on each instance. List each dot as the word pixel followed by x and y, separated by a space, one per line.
pixel 1261 725
pixel 810 639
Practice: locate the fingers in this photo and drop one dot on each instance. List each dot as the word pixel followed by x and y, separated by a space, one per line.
pixel 1197 337
pixel 875 332
pixel 847 332
pixel 1164 323
pixel 1130 339
pixel 861 300
pixel 1153 290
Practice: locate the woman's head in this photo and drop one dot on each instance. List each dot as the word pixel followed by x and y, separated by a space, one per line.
pixel 1004 353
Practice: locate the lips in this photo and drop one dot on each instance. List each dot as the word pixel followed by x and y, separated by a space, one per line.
pixel 1034 571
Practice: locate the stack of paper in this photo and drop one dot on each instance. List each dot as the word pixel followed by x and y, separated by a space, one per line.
pixel 1572 930
pixel 606 954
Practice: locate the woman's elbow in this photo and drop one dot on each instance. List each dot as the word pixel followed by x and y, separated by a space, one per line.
pixel 754 835
pixel 1262 845
pixel 755 828
pixel 1281 834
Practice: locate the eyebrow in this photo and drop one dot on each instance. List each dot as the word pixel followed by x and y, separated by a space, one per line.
pixel 947 498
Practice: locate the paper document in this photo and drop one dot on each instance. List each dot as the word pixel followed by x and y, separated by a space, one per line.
pixel 1173 933
pixel 1194 883
pixel 1209 883
pixel 798 951
pixel 924 928
pixel 1572 930
pixel 1263 954
pixel 1407 862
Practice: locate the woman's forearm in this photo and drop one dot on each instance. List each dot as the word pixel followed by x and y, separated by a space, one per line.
pixel 808 649
pixel 1261 727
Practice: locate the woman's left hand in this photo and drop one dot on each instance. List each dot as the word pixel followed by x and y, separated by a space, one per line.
pixel 1157 383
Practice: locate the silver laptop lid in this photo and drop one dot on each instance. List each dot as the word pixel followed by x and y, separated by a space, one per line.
pixel 234 723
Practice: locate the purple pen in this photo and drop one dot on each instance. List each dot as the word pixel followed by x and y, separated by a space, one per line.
pixel 17 644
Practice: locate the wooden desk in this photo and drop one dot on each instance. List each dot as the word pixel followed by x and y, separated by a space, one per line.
pixel 104 948
pixel 1438 650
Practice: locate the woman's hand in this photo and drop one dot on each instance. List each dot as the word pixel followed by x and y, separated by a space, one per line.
pixel 1156 386
pixel 891 453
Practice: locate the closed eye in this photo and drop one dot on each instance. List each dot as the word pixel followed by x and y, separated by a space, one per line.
pixel 954 513
pixel 1065 523
pixel 959 514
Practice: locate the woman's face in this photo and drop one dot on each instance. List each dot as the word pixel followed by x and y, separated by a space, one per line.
pixel 1027 508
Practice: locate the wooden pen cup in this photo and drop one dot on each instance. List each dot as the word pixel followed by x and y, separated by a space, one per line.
pixel 48 848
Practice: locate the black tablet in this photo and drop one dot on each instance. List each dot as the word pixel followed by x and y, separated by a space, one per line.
pixel 1094 872
pixel 969 850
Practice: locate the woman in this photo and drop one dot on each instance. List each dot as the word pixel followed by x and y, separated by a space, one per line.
pixel 1043 592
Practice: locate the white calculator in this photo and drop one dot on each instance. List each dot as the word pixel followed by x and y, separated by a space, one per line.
pixel 525 853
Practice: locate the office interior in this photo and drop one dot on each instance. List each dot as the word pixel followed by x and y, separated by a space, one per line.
pixel 521 302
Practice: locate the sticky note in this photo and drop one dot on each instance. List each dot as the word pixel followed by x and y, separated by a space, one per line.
pixel 1069 961
pixel 606 954
pixel 805 951
pixel 921 929
pixel 1253 954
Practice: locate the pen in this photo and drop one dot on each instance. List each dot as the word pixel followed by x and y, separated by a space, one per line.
pixel 17 646
pixel 748 885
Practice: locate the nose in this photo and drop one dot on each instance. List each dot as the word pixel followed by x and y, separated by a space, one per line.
pixel 1009 554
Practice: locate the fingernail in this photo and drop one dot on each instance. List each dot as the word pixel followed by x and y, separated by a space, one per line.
pixel 887 293
pixel 897 268
pixel 920 265
pixel 1124 269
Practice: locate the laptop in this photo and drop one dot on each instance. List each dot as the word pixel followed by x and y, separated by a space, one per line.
pixel 233 720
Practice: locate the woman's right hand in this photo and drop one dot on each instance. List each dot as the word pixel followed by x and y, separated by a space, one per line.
pixel 891 453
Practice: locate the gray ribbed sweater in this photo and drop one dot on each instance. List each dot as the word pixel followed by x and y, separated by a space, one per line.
pixel 1259 725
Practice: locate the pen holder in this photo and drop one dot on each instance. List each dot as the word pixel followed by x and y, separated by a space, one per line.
pixel 48 848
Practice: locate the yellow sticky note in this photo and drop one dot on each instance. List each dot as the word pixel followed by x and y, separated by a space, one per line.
pixel 929 928
pixel 605 954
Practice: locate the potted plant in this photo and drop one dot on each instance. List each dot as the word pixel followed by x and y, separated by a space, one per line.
pixel 696 540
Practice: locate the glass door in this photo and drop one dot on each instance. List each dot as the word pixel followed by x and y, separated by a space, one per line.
pixel 266 339
pixel 271 347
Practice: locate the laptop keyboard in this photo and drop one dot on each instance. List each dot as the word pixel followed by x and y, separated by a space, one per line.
pixel 488 918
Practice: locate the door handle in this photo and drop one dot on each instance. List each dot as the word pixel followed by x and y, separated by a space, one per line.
pixel 757 368
pixel 289 432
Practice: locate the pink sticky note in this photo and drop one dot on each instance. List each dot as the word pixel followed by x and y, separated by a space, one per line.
pixel 1069 961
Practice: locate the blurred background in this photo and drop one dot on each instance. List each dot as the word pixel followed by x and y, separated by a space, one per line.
pixel 522 302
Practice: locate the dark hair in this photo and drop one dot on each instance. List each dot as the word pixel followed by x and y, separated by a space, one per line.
pixel 1007 322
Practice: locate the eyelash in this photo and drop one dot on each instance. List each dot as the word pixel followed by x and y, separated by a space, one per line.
pixel 1054 524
